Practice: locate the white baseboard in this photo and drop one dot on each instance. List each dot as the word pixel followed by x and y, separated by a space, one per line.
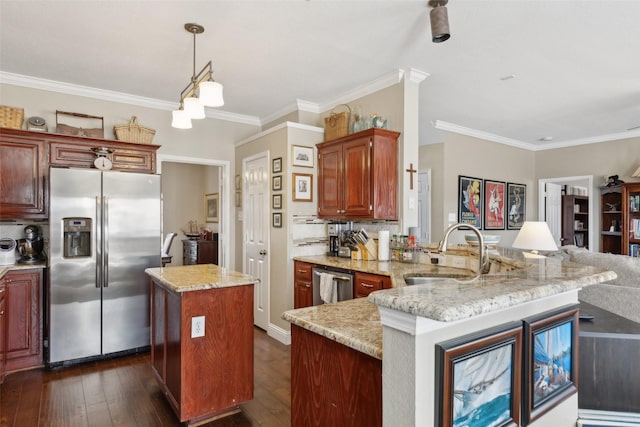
pixel 277 333
pixel 608 418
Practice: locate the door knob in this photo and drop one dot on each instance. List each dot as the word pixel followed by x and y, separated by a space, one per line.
pixel 263 252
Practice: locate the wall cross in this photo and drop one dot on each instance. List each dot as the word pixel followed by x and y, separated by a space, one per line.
pixel 411 171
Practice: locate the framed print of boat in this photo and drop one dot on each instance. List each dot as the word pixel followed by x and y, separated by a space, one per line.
pixel 478 378
pixel 550 360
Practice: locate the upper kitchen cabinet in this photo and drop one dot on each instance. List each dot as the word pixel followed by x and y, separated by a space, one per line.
pixel 23 175
pixel 358 176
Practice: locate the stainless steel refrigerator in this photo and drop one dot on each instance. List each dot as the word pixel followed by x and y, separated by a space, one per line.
pixel 104 231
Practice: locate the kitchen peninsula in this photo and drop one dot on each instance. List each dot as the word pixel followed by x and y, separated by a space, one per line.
pixel 202 339
pixel 402 328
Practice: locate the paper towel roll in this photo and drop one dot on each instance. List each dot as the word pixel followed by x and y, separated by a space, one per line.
pixel 383 245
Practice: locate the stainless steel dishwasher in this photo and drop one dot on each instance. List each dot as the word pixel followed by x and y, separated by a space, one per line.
pixel 343 279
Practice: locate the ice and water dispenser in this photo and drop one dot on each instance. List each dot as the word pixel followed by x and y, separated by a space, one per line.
pixel 77 237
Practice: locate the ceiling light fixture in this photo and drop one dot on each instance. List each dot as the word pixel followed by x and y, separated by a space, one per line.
pixel 439 21
pixel 201 91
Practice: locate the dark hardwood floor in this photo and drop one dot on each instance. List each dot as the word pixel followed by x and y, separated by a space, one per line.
pixel 123 392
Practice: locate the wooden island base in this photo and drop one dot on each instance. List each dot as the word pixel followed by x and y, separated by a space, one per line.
pixel 209 418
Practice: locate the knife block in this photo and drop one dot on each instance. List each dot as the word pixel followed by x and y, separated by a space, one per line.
pixel 366 252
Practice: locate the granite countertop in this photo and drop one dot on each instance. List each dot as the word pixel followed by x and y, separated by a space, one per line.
pixel 4 269
pixel 514 280
pixel 198 277
pixel 354 323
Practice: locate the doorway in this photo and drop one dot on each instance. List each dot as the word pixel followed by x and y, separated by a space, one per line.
pixel 219 182
pixel 582 181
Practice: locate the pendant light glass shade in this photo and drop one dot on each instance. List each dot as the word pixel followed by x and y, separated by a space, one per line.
pixel 194 108
pixel 211 94
pixel 180 120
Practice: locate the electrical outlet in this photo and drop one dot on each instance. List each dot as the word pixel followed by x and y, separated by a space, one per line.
pixel 197 326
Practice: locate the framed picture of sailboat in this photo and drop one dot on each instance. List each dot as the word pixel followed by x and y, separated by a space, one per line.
pixel 550 360
pixel 479 378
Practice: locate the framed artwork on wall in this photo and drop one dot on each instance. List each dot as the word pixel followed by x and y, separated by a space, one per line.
pixel 238 183
pixel 276 201
pixel 211 207
pixel 302 156
pixel 276 165
pixel 478 377
pixel 470 201
pixel 494 198
pixel 302 187
pixel 550 360
pixel 277 220
pixel 276 183
pixel 516 205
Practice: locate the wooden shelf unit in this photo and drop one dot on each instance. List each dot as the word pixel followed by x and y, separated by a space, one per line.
pixel 631 218
pixel 575 220
pixel 611 219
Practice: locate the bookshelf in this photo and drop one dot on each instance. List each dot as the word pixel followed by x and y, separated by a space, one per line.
pixel 611 220
pixel 575 220
pixel 631 219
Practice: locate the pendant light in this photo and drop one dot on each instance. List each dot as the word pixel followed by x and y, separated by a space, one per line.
pixel 439 21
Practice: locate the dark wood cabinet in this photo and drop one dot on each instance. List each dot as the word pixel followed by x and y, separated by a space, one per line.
pixel 365 283
pixel 611 220
pixel 204 376
pixel 200 251
pixel 358 176
pixel 24 176
pixel 332 384
pixel 3 330
pixel 303 286
pixel 575 220
pixel 631 219
pixel 22 318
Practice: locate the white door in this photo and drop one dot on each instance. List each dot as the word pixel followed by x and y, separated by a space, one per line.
pixel 424 206
pixel 256 232
pixel 553 210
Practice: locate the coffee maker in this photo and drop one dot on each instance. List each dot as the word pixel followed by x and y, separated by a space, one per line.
pixel 335 231
pixel 31 247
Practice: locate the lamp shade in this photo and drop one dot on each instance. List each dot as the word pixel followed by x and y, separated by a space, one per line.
pixel 636 174
pixel 181 120
pixel 194 108
pixel 211 94
pixel 535 236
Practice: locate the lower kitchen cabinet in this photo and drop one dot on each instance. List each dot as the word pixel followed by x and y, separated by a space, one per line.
pixel 21 320
pixel 209 375
pixel 302 284
pixel 200 251
pixel 365 283
pixel 332 384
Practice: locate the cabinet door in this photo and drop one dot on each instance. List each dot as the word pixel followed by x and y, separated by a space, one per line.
pixel 330 181
pixel 303 285
pixel 366 283
pixel 3 292
pixel 23 317
pixel 158 335
pixel 357 178
pixel 207 252
pixel 23 174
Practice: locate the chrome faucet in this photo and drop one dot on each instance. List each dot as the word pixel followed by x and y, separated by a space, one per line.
pixel 483 259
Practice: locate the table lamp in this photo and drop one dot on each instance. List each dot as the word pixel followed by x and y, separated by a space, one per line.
pixel 535 236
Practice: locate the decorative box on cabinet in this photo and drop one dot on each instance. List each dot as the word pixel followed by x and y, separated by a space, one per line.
pixel 22 317
pixel 358 176
pixel 575 220
pixel 200 251
pixel 24 176
pixel 302 282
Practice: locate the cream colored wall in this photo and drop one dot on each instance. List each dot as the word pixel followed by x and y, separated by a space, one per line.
pixel 183 203
pixel 468 156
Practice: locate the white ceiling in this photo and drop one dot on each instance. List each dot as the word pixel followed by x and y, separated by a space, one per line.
pixel 576 62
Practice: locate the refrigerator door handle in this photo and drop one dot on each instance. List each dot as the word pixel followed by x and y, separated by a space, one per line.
pixel 105 242
pixel 98 247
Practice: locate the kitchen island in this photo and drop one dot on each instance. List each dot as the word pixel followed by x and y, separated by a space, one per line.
pixel 415 320
pixel 202 339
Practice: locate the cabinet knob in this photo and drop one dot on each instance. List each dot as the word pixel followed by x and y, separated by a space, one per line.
pixel 2 290
pixel 1 312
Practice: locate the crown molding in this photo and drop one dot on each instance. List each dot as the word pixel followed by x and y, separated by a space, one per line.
pixel 280 126
pixel 119 97
pixel 439 124
pixel 591 140
pixel 417 76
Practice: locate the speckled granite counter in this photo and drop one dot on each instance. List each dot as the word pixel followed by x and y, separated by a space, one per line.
pixel 354 323
pixel 447 300
pixel 198 277
pixel 4 269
